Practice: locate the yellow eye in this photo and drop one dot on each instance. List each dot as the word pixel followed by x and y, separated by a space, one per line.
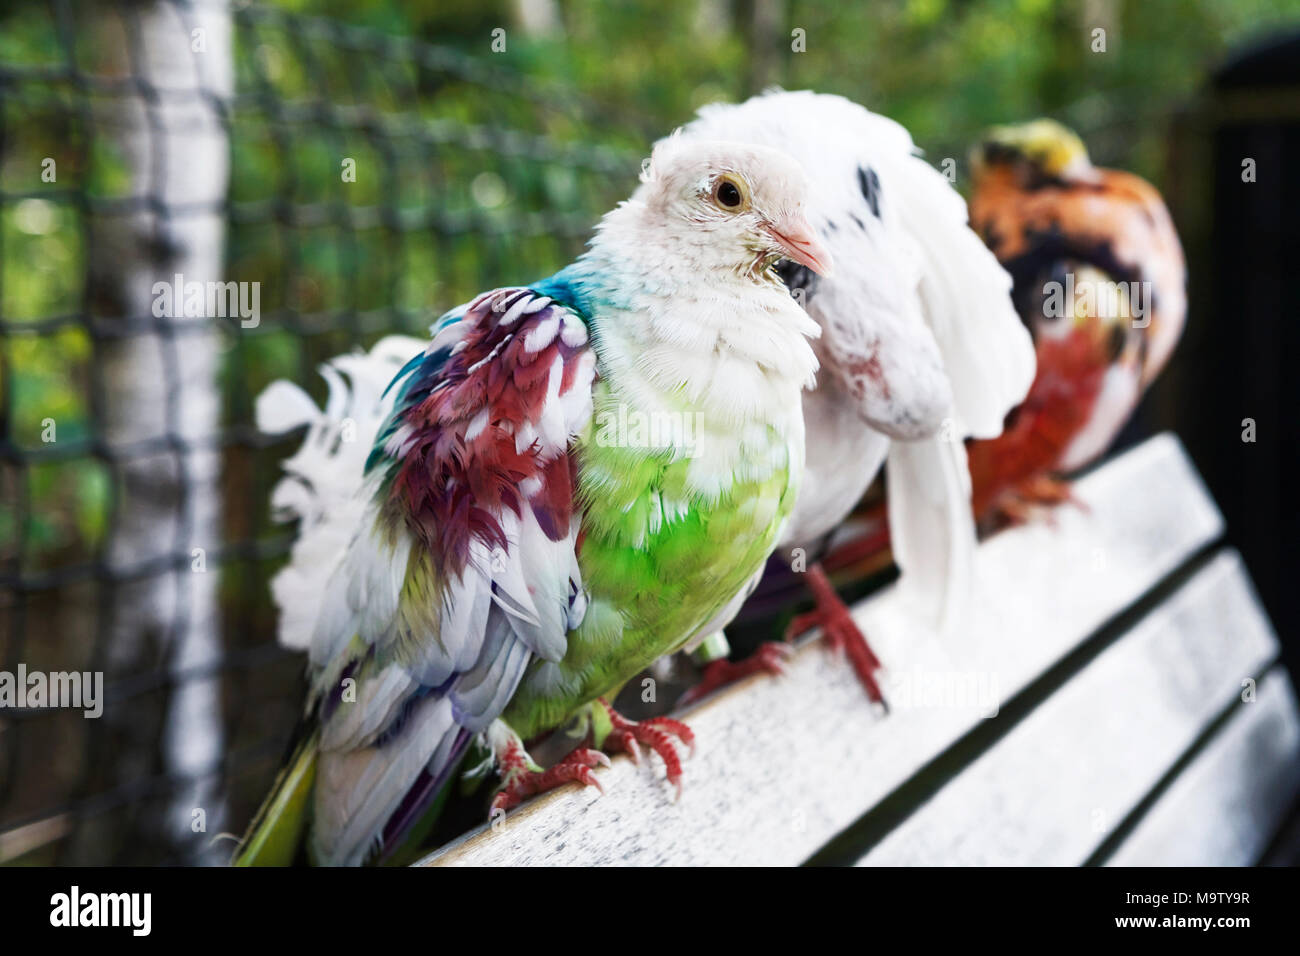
pixel 728 194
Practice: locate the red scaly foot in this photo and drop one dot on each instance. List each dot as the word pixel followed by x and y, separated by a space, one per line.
pixel 1035 497
pixel 770 658
pixel 660 734
pixel 522 778
pixel 1051 490
pixel 841 633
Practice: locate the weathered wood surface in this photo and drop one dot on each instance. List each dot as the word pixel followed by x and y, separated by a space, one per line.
pixel 1223 808
pixel 1051 790
pixel 783 765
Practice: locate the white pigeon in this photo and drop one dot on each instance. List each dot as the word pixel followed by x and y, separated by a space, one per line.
pixel 921 347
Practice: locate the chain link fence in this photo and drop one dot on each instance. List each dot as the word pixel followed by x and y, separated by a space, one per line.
pixel 198 198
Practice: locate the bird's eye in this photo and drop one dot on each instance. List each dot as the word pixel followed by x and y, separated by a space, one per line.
pixel 727 194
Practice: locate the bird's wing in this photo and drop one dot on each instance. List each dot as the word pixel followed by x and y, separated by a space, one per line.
pixel 463 568
pixel 966 301
pixel 931 527
pixel 1126 216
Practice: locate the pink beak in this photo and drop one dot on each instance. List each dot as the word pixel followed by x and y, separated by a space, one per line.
pixel 796 239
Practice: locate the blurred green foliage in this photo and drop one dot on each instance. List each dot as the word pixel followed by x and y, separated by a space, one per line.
pixel 476 167
pixel 946 69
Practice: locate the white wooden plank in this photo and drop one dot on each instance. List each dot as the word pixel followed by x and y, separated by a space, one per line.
pixel 782 765
pixel 1051 790
pixel 1226 806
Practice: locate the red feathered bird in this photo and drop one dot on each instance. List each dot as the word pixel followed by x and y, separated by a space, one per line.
pixel 1099 280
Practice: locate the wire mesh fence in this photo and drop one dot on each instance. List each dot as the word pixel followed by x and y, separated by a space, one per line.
pixel 198 198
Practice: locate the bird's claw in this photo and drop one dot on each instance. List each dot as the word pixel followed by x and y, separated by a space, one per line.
pixel 1036 497
pixel 521 781
pixel 660 734
pixel 770 658
pixel 841 633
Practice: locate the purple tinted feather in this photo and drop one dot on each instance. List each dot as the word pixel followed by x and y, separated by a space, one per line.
pixel 418 798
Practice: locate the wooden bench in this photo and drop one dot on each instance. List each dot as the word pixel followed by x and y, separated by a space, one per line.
pixel 1091 712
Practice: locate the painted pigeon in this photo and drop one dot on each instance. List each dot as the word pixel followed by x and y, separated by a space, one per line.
pixel 570 480
pixel 920 348
pixel 1099 281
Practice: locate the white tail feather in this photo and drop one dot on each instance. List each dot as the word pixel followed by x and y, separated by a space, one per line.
pixel 931 527
pixel 323 479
